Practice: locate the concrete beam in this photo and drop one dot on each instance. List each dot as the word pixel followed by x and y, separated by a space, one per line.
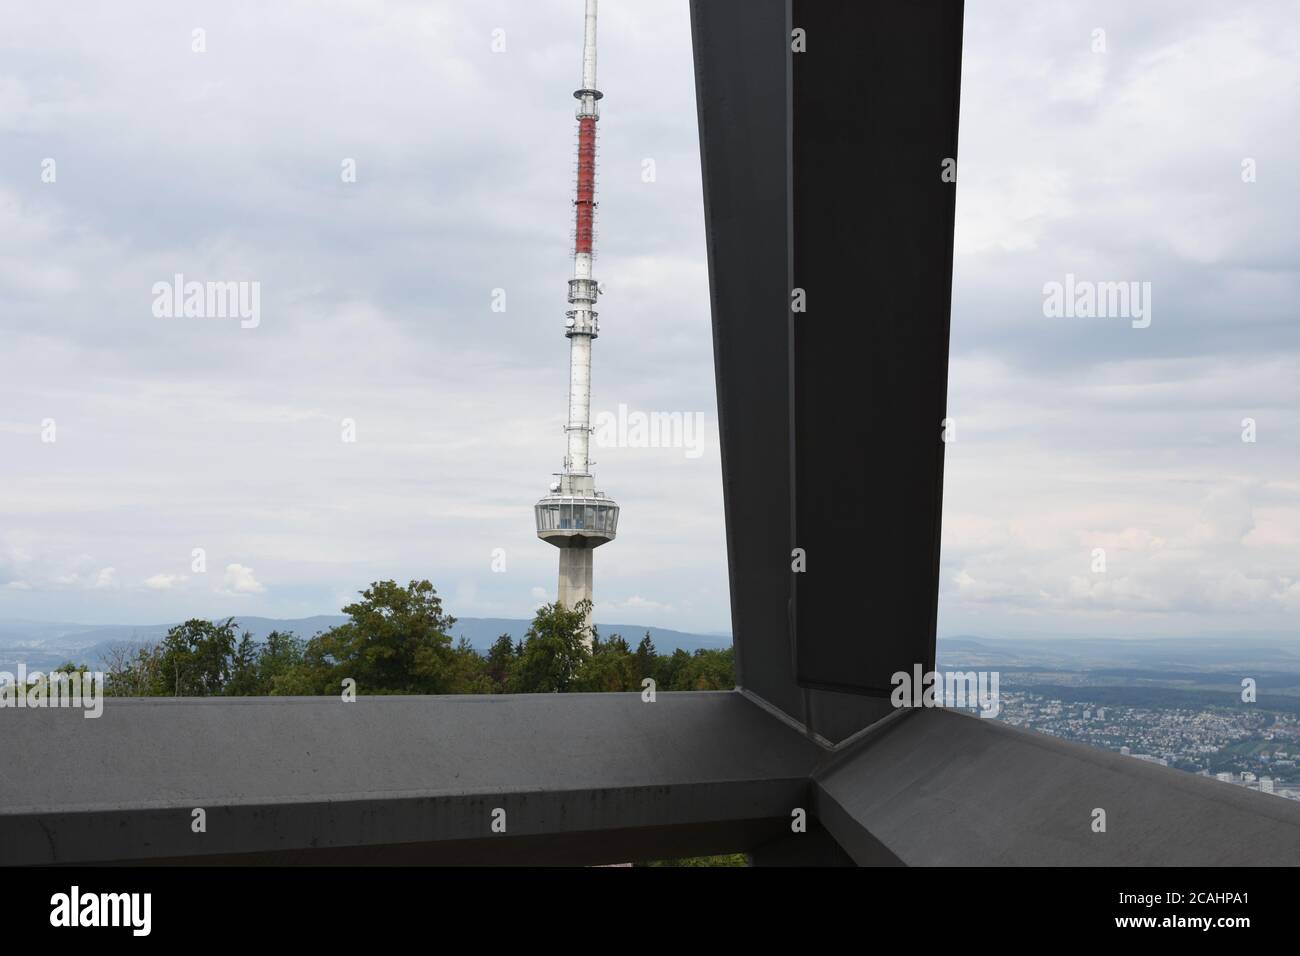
pixel 593 778
pixel 404 779
pixel 936 787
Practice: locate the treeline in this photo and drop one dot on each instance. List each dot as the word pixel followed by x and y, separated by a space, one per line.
pixel 397 641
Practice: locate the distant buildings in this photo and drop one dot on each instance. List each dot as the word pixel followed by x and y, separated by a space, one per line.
pixel 1150 759
pixel 1217 742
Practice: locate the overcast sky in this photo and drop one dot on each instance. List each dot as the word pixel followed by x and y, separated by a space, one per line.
pixel 172 434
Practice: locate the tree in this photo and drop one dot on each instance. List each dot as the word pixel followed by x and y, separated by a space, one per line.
pixel 646 658
pixel 256 669
pixel 132 671
pixel 615 645
pixel 707 670
pixel 554 650
pixel 279 658
pixel 243 680
pixel 668 667
pixel 469 671
pixel 609 667
pixel 395 643
pixel 501 656
pixel 194 660
pixel 44 680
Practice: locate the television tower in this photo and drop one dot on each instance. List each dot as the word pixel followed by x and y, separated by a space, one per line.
pixel 574 516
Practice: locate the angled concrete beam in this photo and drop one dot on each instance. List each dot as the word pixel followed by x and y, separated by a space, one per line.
pixel 742 82
pixel 873 122
pixel 936 787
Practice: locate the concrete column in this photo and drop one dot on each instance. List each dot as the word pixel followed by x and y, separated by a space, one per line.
pixel 575 577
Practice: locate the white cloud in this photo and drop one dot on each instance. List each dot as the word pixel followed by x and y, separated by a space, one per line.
pixel 105 579
pixel 636 605
pixel 240 580
pixel 164 582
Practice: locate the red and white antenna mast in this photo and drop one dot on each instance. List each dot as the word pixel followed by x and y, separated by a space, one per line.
pixel 574 516
pixel 581 327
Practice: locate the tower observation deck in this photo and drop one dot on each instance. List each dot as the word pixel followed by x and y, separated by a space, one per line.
pixel 574 516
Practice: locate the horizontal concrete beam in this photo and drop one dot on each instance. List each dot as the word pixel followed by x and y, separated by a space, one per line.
pixel 581 778
pixel 592 778
pixel 936 787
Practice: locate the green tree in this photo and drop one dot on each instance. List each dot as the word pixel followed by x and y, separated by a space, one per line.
pixel 668 666
pixel 131 671
pixel 255 668
pixel 501 656
pixel 554 650
pixel 277 661
pixel 646 657
pixel 195 659
pixel 729 859
pixel 43 681
pixel 469 671
pixel 705 670
pixel 396 642
pixel 243 680
pixel 609 667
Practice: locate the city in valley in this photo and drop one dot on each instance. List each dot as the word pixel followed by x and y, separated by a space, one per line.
pixel 1178 703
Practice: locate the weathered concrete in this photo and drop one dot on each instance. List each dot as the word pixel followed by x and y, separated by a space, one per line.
pixel 279 775
pixel 938 787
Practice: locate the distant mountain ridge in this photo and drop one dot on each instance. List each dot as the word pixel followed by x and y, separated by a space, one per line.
pixel 42 645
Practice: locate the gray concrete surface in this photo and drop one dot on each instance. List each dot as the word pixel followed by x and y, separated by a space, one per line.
pixel 293 774
pixel 942 788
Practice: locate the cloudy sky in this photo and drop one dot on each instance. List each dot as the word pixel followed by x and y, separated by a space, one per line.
pixel 376 306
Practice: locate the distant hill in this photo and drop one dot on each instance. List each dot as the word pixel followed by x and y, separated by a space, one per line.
pixel 482 631
pixel 43 645
pixel 1098 654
